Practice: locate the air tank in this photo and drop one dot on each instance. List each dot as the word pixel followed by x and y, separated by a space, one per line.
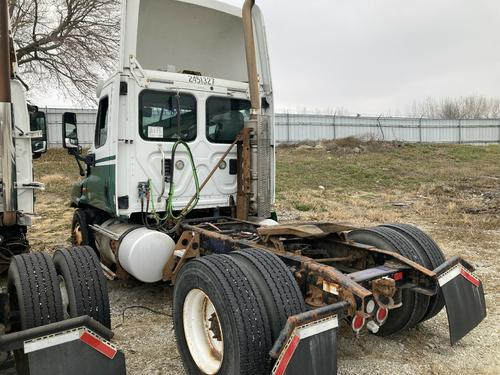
pixel 142 252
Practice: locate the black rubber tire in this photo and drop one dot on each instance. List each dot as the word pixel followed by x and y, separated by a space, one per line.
pixel 414 305
pixel 34 291
pixel 80 218
pixel 433 255
pixel 85 283
pixel 279 290
pixel 241 312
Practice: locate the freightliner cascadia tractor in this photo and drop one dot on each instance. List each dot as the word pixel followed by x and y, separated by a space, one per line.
pixel 179 188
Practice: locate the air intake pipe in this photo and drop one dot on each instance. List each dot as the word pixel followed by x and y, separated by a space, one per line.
pixel 6 141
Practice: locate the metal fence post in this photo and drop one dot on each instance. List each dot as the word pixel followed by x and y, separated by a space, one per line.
pixel 459 131
pixel 334 127
pixel 498 125
pixel 420 129
pixel 287 127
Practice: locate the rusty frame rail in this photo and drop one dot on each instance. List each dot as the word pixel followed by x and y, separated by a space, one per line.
pixel 322 284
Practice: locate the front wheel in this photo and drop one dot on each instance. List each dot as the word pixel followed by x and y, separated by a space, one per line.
pixel 220 319
pixel 80 231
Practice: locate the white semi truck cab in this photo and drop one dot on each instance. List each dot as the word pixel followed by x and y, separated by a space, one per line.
pixel 168 117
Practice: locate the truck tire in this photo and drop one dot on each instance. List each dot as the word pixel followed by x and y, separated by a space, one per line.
pixel 34 291
pixel 432 255
pixel 414 305
pixel 279 290
pixel 84 283
pixel 220 319
pixel 81 234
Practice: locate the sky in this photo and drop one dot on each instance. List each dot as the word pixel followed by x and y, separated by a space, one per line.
pixel 379 56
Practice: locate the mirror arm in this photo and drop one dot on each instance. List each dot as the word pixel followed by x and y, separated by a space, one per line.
pixel 89 160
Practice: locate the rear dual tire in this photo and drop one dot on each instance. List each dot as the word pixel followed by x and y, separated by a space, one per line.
pixel 83 283
pixel 34 293
pixel 35 299
pixel 36 283
pixel 415 245
pixel 251 293
pixel 432 256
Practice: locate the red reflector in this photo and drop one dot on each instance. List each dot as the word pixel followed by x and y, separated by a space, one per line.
pixel 101 346
pixel 357 323
pixel 382 314
pixel 285 360
pixel 469 277
pixel 398 276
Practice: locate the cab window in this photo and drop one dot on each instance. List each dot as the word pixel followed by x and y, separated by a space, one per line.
pixel 159 120
pixel 226 118
pixel 101 132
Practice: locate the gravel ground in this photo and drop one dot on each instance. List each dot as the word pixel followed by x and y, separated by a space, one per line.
pixel 149 341
pixel 452 192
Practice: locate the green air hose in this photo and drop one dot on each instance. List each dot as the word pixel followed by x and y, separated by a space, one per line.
pixel 186 210
pixel 169 210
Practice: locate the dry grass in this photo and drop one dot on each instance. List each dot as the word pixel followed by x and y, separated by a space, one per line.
pixel 453 192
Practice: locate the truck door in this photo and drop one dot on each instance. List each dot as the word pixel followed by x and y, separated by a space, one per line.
pixel 101 181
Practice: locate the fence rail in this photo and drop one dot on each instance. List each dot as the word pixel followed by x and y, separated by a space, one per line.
pixel 294 128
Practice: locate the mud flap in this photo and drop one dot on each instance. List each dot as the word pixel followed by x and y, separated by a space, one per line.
pixel 77 346
pixel 311 349
pixel 464 298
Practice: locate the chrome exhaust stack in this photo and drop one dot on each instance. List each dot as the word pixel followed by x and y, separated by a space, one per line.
pixel 6 141
pixel 261 194
pixel 253 78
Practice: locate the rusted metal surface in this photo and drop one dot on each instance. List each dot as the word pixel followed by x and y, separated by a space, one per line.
pixel 297 245
pixel 314 295
pixel 399 257
pixel 302 230
pixel 304 318
pixel 316 273
pixel 384 290
pixel 244 177
pixel 120 271
pixel 189 245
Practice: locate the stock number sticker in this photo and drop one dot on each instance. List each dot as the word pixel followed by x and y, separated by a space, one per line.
pixel 202 80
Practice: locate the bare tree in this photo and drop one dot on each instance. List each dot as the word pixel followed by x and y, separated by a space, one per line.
pixel 468 107
pixel 66 44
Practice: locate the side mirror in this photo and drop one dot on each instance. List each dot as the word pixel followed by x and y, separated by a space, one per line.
pixel 41 121
pixel 38 122
pixel 70 131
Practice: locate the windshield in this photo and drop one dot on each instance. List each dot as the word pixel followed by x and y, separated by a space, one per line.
pixel 158 116
pixel 226 118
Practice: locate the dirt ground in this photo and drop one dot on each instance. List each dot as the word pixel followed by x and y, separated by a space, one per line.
pixel 452 192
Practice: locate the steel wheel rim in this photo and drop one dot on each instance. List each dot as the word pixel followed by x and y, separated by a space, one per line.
pixel 203 332
pixel 65 297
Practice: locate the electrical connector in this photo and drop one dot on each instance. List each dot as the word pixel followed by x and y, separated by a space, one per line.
pixel 142 190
